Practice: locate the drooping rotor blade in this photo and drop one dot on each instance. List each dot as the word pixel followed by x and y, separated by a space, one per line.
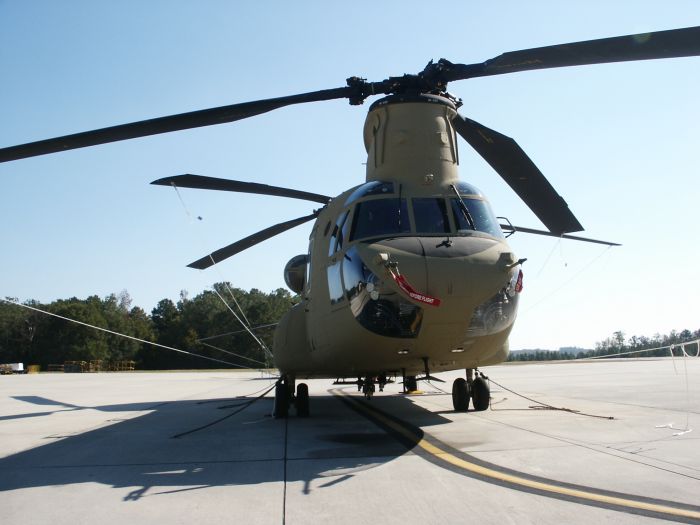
pixel 212 183
pixel 644 46
pixel 511 228
pixel 193 119
pixel 238 246
pixel 673 43
pixel 512 163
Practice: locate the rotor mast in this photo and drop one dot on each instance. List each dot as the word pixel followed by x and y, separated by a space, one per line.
pixel 410 139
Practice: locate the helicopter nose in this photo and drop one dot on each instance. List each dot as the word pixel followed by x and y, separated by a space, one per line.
pixel 458 272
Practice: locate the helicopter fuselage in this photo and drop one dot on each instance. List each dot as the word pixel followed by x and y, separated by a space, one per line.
pixel 407 272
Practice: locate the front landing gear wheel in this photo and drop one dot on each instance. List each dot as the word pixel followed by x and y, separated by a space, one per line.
pixel 410 384
pixel 302 400
pixel 368 388
pixel 481 394
pixel 281 401
pixel 460 395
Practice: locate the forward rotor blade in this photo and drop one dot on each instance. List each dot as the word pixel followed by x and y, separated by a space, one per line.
pixel 193 119
pixel 510 228
pixel 673 43
pixel 512 163
pixel 238 246
pixel 212 183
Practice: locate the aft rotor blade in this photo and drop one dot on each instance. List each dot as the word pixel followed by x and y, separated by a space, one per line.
pixel 673 43
pixel 512 163
pixel 193 119
pixel 211 183
pixel 238 246
pixel 510 228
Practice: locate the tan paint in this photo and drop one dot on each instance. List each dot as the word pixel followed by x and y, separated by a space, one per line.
pixel 414 145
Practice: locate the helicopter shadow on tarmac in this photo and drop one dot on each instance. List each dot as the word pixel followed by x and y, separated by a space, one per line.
pixel 140 454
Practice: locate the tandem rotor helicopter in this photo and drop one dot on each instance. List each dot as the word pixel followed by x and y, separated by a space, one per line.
pixel 408 273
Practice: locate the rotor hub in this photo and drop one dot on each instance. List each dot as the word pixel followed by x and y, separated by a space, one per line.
pixel 444 99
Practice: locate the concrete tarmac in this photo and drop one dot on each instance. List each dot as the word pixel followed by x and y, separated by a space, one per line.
pixel 101 448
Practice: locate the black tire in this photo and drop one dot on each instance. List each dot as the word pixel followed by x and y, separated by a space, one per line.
pixel 281 407
pixel 460 395
pixel 302 400
pixel 481 394
pixel 411 384
pixel 368 389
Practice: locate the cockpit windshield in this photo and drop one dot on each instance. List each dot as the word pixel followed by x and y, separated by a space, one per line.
pixel 376 215
pixel 374 187
pixel 431 215
pixel 481 214
pixel 380 217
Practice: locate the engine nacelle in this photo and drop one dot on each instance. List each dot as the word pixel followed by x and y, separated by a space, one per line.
pixel 295 272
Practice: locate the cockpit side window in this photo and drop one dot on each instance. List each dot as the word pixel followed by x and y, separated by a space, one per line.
pixel 480 211
pixel 307 280
pixel 374 218
pixel 335 243
pixel 344 227
pixel 430 215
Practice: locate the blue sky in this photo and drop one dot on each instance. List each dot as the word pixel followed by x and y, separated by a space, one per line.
pixel 618 141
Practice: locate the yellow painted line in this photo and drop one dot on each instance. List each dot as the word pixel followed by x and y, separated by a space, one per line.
pixel 517 480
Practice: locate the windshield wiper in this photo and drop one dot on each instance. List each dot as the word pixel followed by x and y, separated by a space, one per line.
pixel 464 208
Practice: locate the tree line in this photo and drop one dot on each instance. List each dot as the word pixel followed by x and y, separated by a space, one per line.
pixel 618 343
pixel 194 325
pixel 205 326
pixel 657 345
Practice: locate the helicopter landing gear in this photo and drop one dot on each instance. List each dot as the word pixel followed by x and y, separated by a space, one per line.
pixel 481 392
pixel 410 384
pixel 368 387
pixel 382 381
pixel 282 399
pixel 460 395
pixel 301 401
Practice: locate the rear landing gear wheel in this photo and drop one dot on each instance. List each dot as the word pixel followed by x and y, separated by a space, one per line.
pixel 481 394
pixel 281 407
pixel 302 400
pixel 460 395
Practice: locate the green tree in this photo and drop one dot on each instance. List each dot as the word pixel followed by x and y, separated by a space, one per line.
pixel 203 325
pixel 18 327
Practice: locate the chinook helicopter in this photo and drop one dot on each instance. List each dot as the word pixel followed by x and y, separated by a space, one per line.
pixel 410 272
